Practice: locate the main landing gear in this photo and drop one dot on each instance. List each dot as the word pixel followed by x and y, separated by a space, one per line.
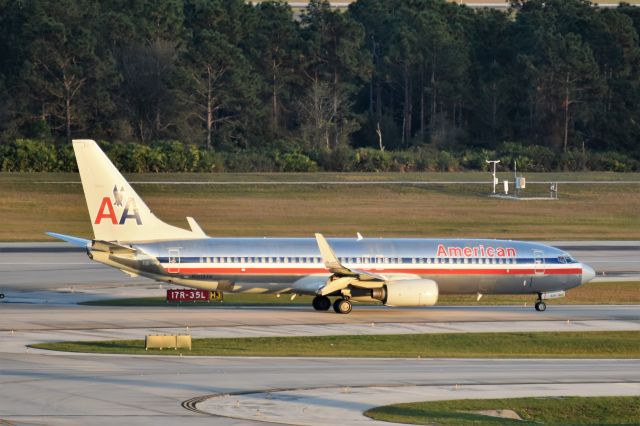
pixel 321 303
pixel 342 306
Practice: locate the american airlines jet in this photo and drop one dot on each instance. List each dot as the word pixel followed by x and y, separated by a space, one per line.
pixel 394 272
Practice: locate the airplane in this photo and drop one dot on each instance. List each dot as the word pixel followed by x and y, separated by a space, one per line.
pixel 391 271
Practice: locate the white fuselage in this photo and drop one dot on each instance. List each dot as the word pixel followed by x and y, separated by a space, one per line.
pixel 276 265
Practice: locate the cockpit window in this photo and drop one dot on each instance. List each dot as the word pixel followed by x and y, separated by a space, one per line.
pixel 566 259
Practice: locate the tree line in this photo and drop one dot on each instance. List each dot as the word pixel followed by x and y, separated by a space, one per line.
pixel 386 85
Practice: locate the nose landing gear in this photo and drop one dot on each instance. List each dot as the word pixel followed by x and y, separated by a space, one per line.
pixel 540 305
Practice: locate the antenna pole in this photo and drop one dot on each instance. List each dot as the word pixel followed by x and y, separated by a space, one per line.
pixel 495 180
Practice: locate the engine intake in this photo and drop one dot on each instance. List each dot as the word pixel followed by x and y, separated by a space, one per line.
pixel 408 293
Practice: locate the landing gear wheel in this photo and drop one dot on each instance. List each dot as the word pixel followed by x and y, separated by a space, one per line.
pixel 541 306
pixel 321 303
pixel 342 306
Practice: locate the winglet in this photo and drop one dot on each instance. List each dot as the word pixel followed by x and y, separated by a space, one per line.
pixel 332 263
pixel 195 228
pixel 359 236
pixel 329 258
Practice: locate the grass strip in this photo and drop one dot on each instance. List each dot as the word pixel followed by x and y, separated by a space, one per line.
pixel 459 210
pixel 615 293
pixel 619 344
pixel 533 411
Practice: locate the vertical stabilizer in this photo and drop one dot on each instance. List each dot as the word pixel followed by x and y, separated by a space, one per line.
pixel 117 212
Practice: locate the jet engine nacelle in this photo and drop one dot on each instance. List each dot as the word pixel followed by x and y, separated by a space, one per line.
pixel 410 293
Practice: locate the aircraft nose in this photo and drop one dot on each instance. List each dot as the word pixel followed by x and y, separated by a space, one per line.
pixel 587 273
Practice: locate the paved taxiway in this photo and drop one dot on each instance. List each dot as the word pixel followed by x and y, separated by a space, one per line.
pixel 22 324
pixel 56 388
pixel 90 389
pixel 29 317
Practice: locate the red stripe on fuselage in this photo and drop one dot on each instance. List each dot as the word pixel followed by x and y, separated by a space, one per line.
pixel 309 271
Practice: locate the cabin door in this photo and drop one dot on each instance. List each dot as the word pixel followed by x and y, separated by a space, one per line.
pixel 538 262
pixel 174 261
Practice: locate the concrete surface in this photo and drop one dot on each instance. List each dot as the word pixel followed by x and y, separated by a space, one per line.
pixel 94 389
pixel 345 405
pixel 32 317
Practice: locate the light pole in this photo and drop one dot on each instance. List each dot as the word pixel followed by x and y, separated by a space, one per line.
pixel 495 179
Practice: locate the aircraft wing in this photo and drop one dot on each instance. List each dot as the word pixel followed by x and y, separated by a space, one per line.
pixel 342 276
pixel 333 264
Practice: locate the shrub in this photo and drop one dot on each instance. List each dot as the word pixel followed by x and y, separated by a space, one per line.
pixel 250 161
pixel 372 160
pixel 174 156
pixel 426 158
pixel 210 161
pixel 296 162
pixel 340 159
pixel 476 159
pixel 613 162
pixel 531 158
pixel 573 160
pixel 447 162
pixel 7 157
pixel 35 156
pixel 66 158
pixel 32 155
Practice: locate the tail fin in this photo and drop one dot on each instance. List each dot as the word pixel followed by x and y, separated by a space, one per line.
pixel 117 212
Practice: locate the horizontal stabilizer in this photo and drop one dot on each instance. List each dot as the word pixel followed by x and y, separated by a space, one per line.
pixel 110 247
pixel 76 241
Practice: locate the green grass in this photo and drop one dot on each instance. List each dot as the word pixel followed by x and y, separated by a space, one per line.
pixel 615 293
pixel 31 207
pixel 533 411
pixel 622 344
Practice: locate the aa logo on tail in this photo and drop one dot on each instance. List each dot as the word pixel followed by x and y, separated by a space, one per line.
pixel 107 211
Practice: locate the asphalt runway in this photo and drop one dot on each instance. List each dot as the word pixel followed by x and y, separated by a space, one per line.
pixel 41 387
